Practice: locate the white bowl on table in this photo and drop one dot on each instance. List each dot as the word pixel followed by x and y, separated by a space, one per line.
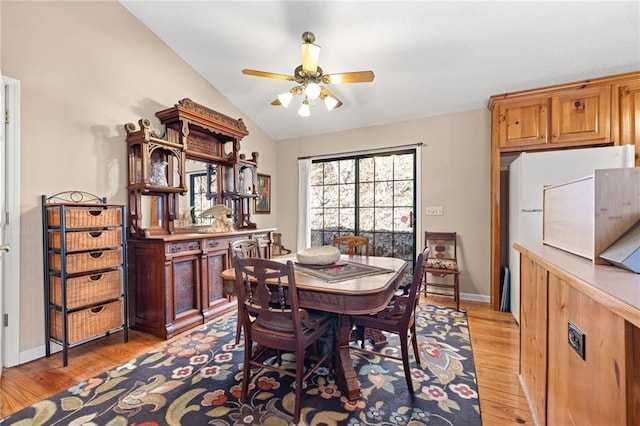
pixel 322 255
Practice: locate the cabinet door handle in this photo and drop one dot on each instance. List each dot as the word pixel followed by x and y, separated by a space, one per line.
pixel 4 247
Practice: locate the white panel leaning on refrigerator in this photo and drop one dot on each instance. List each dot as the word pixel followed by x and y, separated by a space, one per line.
pixel 528 174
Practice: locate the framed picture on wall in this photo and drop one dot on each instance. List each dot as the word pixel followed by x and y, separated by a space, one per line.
pixel 263 201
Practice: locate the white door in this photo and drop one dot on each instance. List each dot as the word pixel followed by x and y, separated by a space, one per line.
pixel 2 194
pixel 9 223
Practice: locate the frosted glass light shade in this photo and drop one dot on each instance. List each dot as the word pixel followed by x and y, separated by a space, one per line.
pixel 330 102
pixel 285 98
pixel 312 91
pixel 304 110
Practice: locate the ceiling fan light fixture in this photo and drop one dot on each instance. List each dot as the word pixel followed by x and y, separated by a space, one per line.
pixel 312 90
pixel 304 110
pixel 330 102
pixel 285 98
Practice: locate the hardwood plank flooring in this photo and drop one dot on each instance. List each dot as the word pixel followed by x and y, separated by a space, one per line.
pixel 494 338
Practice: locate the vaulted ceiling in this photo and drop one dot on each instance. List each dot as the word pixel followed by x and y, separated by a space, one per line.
pixel 429 57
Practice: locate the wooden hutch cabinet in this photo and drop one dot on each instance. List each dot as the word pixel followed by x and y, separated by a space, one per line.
pixel 595 112
pixel 175 260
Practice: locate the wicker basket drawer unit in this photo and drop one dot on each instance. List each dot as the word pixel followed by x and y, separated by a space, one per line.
pixel 86 240
pixel 75 218
pixel 87 323
pixel 85 268
pixel 88 261
pixel 87 289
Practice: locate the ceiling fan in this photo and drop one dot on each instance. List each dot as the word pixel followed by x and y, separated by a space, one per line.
pixel 310 79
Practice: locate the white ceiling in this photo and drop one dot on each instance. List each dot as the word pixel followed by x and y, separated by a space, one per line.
pixel 429 57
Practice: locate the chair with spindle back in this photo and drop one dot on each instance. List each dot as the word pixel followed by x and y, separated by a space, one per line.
pixel 442 263
pixel 241 249
pixel 273 321
pixel 353 244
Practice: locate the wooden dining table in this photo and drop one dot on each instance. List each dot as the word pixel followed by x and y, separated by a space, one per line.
pixel 352 296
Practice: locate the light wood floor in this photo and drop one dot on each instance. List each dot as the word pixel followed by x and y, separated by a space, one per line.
pixel 494 338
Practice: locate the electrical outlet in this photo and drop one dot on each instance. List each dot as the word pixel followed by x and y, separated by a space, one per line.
pixel 576 339
pixel 434 211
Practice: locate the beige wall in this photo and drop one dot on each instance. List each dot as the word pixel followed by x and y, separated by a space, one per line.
pixel 86 69
pixel 454 171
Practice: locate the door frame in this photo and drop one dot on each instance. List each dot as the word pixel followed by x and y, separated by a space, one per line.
pixel 10 220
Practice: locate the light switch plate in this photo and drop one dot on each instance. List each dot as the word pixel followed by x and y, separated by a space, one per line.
pixel 434 211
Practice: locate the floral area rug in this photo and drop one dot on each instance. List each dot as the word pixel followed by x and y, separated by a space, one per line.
pixel 195 379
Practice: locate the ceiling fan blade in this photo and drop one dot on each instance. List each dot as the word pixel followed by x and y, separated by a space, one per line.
pixel 348 77
pixel 267 74
pixel 331 105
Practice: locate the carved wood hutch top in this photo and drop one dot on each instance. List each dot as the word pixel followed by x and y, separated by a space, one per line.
pixel 157 167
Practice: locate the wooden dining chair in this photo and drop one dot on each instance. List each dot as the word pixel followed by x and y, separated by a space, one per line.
pixel 273 321
pixel 398 318
pixel 441 266
pixel 353 244
pixel 241 249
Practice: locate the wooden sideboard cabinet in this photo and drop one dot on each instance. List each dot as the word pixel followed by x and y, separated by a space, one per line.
pixel 174 280
pixel 579 339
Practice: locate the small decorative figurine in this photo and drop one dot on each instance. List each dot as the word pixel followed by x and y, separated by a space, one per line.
pixel 221 221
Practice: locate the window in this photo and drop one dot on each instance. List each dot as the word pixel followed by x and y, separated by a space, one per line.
pixel 369 195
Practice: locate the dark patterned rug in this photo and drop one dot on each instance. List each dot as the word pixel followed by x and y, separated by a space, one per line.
pixel 194 380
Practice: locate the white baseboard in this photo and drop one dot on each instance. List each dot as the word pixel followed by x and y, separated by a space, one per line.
pixel 475 297
pixel 465 296
pixel 38 352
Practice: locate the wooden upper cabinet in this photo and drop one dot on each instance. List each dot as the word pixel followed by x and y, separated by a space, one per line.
pixel 626 115
pixel 523 122
pixel 581 115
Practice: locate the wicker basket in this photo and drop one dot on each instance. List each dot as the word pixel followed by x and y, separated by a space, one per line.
pixel 89 261
pixel 87 289
pixel 89 322
pixel 85 217
pixel 87 240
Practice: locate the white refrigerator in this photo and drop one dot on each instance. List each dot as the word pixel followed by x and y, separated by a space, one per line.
pixel 528 174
